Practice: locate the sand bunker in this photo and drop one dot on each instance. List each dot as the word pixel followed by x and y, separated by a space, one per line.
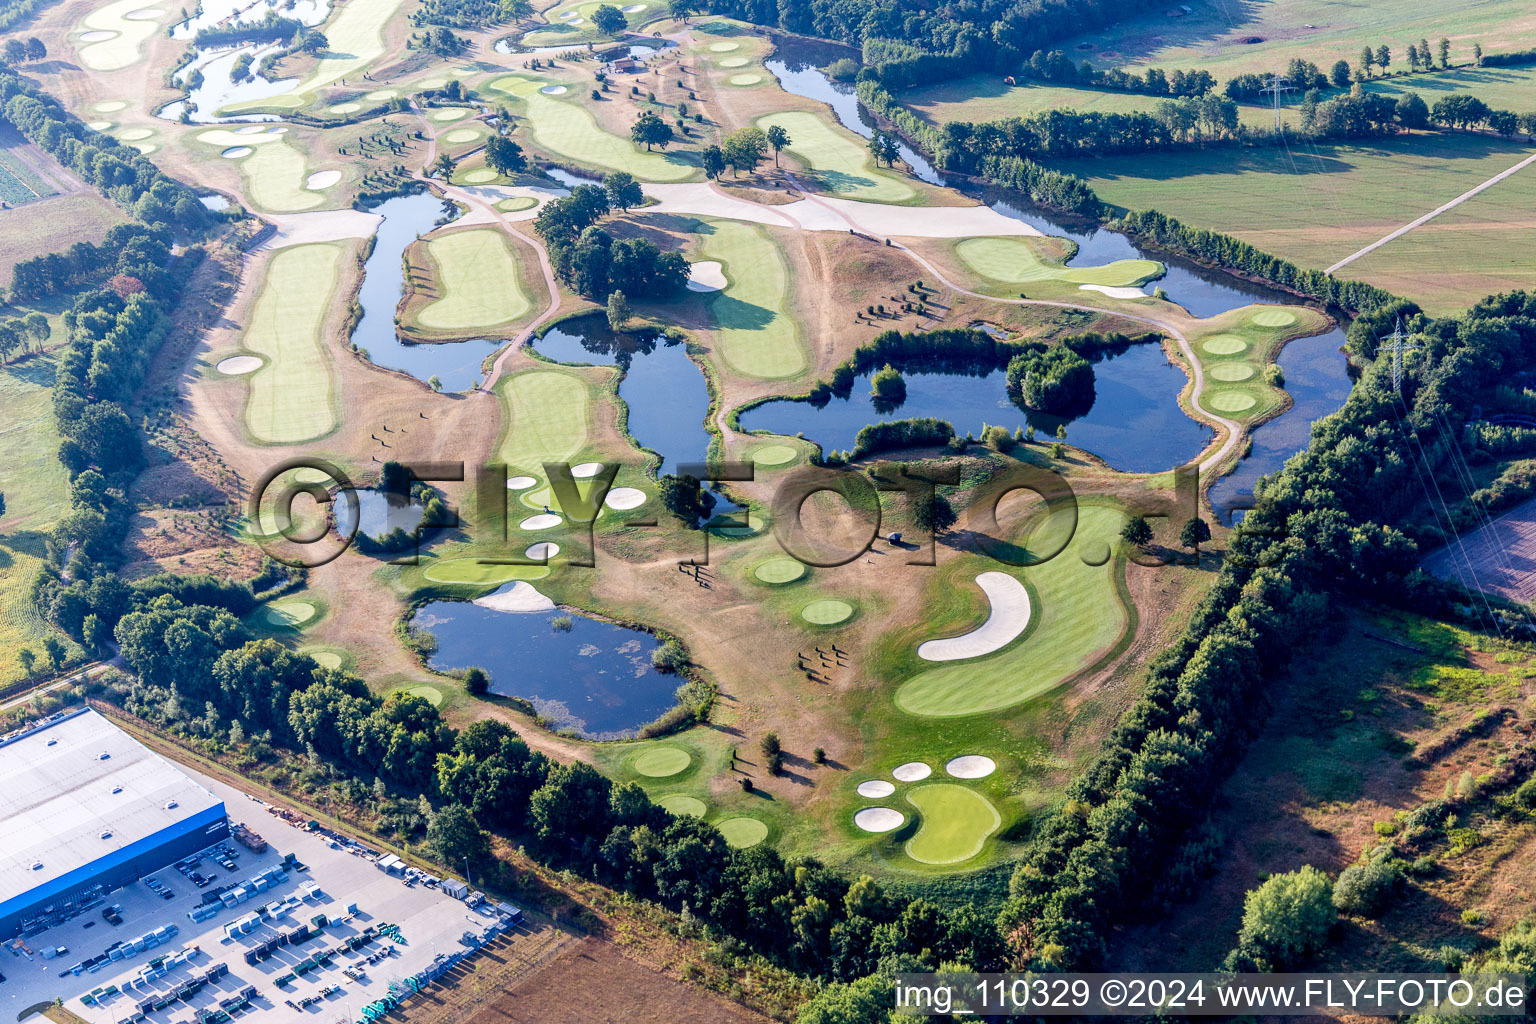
pixel 542 521
pixel 147 14
pixel 236 152
pixel 516 597
pixel 878 819
pixel 520 483
pixel 971 766
pixel 706 276
pixel 1008 618
pixel 553 90
pixel 97 36
pixel 251 129
pixel 543 550
pixel 876 789
pixel 623 498
pixel 634 8
pixel 145 148
pixel 322 179
pixel 1114 292
pixel 586 469
pixel 912 771
pixel 236 365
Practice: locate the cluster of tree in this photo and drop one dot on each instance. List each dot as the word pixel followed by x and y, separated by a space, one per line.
pixel 20 333
pixel 1065 133
pixel 744 150
pixel 132 256
pixel 1055 380
pixel 895 435
pixel 438 39
pixel 469 14
pixel 1460 110
pixel 119 171
pixel 686 498
pixel 594 263
pixel 22 51
pixel 504 156
pixel 1300 76
pixel 1326 525
pixel 272 26
pixel 1056 66
pixel 1514 58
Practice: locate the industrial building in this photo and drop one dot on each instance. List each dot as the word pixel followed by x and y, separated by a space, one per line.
pixel 86 809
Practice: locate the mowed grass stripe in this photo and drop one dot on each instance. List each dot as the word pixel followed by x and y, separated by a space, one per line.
pixel 569 130
pixel 479 285
pixel 292 395
pixel 843 166
pixel 756 334
pixel 1014 261
pixel 546 419
pixel 1081 616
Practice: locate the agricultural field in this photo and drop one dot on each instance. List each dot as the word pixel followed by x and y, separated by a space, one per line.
pixel 989 98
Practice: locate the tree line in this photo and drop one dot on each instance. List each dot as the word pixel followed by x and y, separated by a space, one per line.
pixel 1057 67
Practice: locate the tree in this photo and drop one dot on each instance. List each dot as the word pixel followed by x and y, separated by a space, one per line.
pixel 773 753
pixel 778 138
pixel 443 166
pixel 511 10
pixel 1413 57
pixel 457 838
pixel 1285 921
pixel 1365 888
pixel 10 340
pixel 53 651
pixel 1477 54
pixel 15 51
pixel 1445 53
pixel 1412 112
pixel 1505 122
pixel 1384 56
pixel 685 498
pixel 1459 110
pixel 2 504
pixel 504 156
pixel 27 659
pixel 476 680
pixel 35 48
pixel 1424 55
pixel 888 388
pixel 650 130
pixel 619 312
pixel 435 382
pixel 714 161
pixel 1194 532
pixel 682 10
pixel 934 516
pixel 745 149
pixel 1137 531
pixel 883 147
pixel 609 20
pixel 1367 58
pixel 1340 75
pixel 314 41
pixel 623 190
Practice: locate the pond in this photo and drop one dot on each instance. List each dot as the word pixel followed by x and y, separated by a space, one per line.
pixel 457 363
pixel 219 90
pixel 595 677
pixel 666 393
pixel 378 514
pixel 1317 377
pixel 1135 423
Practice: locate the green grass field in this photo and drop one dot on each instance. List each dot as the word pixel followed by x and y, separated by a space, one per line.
pixel 292 397
pixel 36 490
pixel 839 160
pixel 1311 204
pixel 757 337
pixel 288 613
pixel 683 805
pixel 274 172
pixel 569 130
pixel 431 694
pixel 989 98
pixel 473 572
pixel 478 282
pixel 1014 261
pixel 1078 614
pixel 1234 349
pixel 956 821
pixel 742 832
pixel 779 571
pixel 546 419
pixel 827 612
pixel 662 762
pixel 1500 88
pixel 356 37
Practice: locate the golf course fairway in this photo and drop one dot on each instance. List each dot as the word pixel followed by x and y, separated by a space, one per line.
pixel 291 397
pixel 477 573
pixel 546 419
pixel 1080 616
pixel 1014 261
pixel 275 173
pixel 122 49
pixel 478 282
pixel 570 131
pixel 356 39
pixel 956 822
pixel 757 336
pixel 842 165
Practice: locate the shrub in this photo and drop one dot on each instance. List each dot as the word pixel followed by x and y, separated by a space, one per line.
pixel 1285 921
pixel 476 680
pixel 669 657
pixel 1365 889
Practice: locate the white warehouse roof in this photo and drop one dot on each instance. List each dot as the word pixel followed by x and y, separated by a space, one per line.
pixel 77 789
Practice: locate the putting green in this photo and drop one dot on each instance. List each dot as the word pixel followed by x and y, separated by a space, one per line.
pixel 1224 345
pixel 1080 617
pixel 478 282
pixel 956 822
pixel 346 108
pixel 827 612
pixel 291 397
pixel 325 659
pixel 780 570
pixel 1274 318
pixel 122 49
pixel 517 203
pixel 733 62
pixel 757 337
pixel 746 79
pixel 1015 261
pixel 662 762
pixel 774 455
pixel 755 525
pixel 451 114
pixel 468 570
pixel 569 130
pixel 431 694
pixel 1236 400
pixel 723 47
pixel 110 106
pixel 459 136
pixel 546 419
pixel 1231 372
pixel 743 832
pixel 843 165
pixel 289 613
pixel 134 134
pixel 682 805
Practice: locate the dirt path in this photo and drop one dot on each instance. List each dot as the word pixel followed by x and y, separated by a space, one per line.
pixel 1432 214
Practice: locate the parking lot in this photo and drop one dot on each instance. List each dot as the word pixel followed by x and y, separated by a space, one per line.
pixel 323 878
